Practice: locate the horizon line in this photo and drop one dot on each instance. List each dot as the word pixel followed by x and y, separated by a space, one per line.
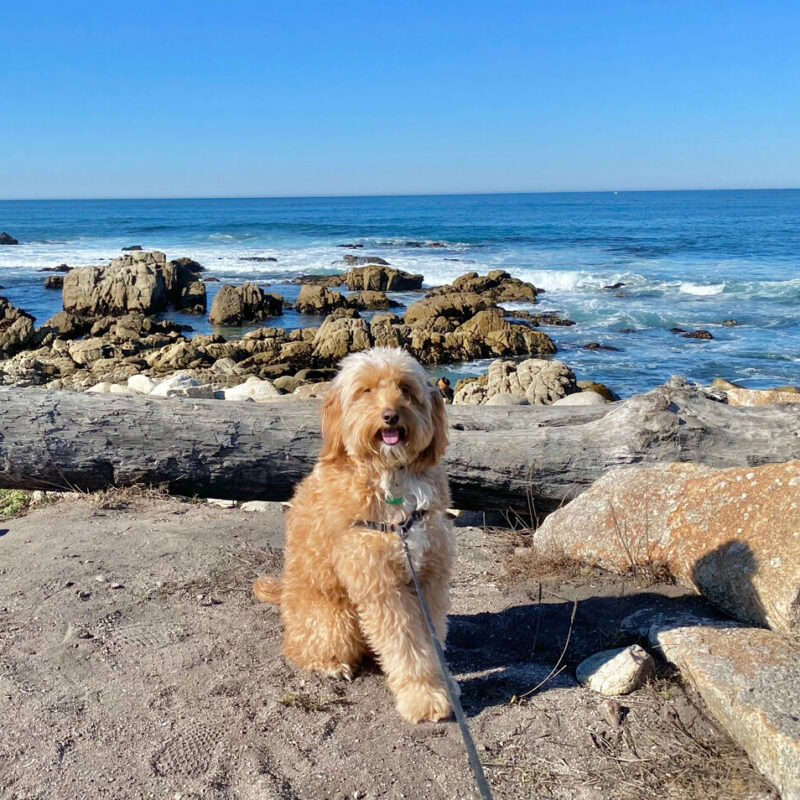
pixel 383 195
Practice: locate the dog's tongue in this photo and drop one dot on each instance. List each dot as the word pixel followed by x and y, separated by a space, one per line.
pixel 390 435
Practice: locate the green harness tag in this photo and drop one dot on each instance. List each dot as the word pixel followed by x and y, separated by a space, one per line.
pixel 394 501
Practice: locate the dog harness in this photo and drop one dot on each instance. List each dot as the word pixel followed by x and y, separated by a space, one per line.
pixel 392 527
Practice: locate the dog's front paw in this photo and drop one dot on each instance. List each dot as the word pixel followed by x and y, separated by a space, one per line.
pixel 423 704
pixel 341 672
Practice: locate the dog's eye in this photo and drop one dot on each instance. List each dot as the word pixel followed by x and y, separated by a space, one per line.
pixel 365 390
pixel 404 390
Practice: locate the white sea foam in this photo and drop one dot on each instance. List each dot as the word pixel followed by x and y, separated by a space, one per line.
pixel 701 290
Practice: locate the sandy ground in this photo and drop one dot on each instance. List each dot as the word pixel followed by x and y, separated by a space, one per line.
pixel 135 663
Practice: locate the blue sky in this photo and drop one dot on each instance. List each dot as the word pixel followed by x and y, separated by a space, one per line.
pixel 171 99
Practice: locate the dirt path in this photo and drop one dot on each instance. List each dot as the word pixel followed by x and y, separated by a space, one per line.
pixel 135 663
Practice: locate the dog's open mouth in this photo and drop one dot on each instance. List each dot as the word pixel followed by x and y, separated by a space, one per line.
pixel 391 436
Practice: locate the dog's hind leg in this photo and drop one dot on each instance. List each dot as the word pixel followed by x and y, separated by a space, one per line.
pixel 322 635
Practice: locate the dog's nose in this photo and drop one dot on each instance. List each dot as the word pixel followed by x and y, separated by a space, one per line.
pixel 390 416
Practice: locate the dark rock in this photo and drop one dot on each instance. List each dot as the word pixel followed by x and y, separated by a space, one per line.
pixel 259 259
pixel 131 248
pixel 628 330
pixel 16 328
pixel 54 282
pixel 210 280
pixel 362 261
pixel 700 334
pixel 729 323
pixel 59 268
pixel 351 246
pixel 598 346
pixel 541 318
pixel 7 239
pixel 320 280
pixel 371 301
pixel 618 285
pixel 677 330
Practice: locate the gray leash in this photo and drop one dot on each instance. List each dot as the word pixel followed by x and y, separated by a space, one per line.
pixel 450 685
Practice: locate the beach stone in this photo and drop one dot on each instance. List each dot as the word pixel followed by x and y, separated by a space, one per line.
pixel 319 300
pixel 252 389
pixel 16 328
pixel 748 677
pixel 588 398
pixel 235 305
pixel 259 506
pixel 600 388
pixel 311 390
pixel 732 535
pixel 179 385
pixel 616 672
pixel 141 384
pixel 104 387
pixel 7 238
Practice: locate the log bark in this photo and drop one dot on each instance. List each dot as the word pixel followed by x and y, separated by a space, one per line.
pixel 499 457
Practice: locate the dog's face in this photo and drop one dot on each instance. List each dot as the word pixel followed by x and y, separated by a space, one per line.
pixel 382 408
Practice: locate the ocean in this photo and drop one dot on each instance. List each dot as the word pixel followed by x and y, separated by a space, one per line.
pixel 691 260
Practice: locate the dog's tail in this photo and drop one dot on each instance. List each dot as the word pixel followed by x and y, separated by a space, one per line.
pixel 268 590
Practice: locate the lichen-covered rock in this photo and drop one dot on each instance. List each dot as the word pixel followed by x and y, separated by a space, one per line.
pixel 731 534
pixel 235 305
pixel 16 328
pixel 616 672
pixel 319 300
pixel 131 283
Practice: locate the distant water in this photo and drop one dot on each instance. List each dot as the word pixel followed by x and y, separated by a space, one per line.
pixel 687 259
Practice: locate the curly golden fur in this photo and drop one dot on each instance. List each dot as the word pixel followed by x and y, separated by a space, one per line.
pixel 346 589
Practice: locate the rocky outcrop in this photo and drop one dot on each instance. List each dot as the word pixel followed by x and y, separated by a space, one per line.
pixel 184 288
pixel 537 381
pixel 738 396
pixel 376 278
pixel 54 282
pixel 444 313
pixel 497 286
pixel 319 300
pixel 132 283
pixel 337 337
pixel 16 328
pixel 730 534
pixel 6 238
pixel 371 301
pixel 235 305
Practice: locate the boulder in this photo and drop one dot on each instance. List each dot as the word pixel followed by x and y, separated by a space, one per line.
pixel 319 300
pixel 587 398
pixel 381 279
pixel 181 355
pixel 701 334
pixel 616 672
pixel 141 384
pixel 54 282
pixel 235 305
pixel 65 325
pixel 371 301
pixel 337 337
pixel 600 388
pixel 730 534
pixel 131 283
pixel 131 248
pixel 16 328
pixel 252 389
pixel 506 399
pixel 184 288
pixel 6 238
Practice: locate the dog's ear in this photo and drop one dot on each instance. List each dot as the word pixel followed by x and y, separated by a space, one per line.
pixel 332 443
pixel 433 453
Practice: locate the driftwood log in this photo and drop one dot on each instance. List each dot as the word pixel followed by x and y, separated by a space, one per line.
pixel 499 457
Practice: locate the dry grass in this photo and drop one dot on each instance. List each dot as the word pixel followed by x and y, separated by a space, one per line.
pixel 119 498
